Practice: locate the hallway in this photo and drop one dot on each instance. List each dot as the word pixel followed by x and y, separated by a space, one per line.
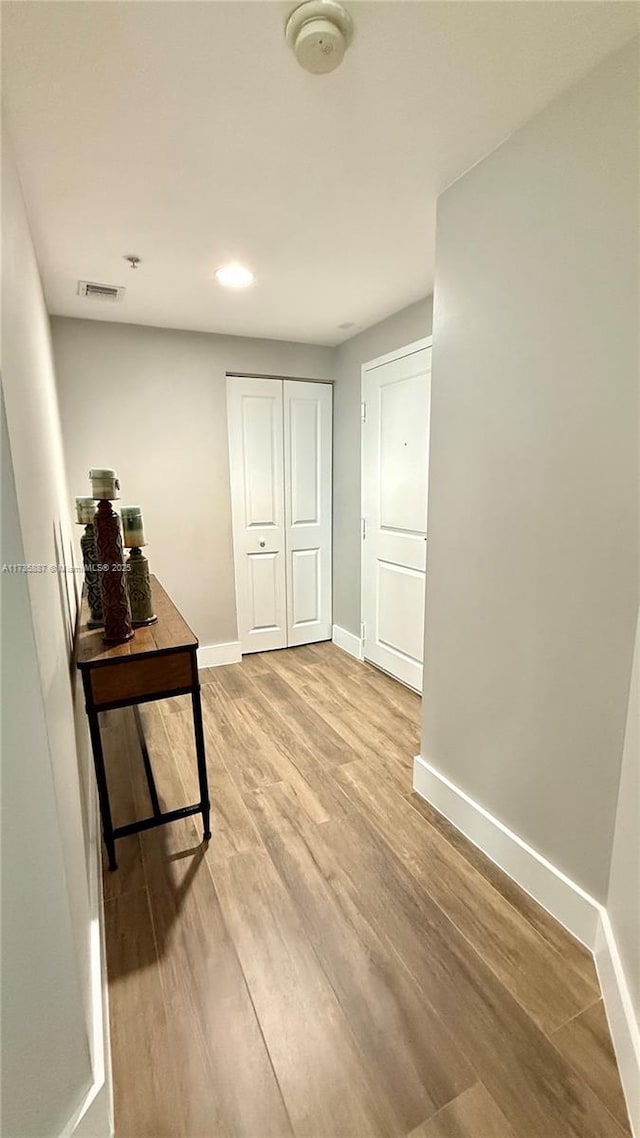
pixel 339 962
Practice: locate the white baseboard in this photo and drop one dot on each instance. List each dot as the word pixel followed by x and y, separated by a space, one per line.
pixel 625 1033
pixel 566 901
pixel 213 655
pixel 580 913
pixel 347 641
pixel 94 1117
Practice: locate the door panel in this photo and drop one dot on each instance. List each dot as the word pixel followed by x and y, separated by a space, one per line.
pixel 403 437
pixel 305 437
pixel 305 581
pixel 395 457
pixel 261 479
pixel 307 463
pixel 400 595
pixel 255 409
pixel 263 592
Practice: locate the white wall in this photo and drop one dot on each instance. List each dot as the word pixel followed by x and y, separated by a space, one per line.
pixel 151 402
pixel 47 843
pixel 412 323
pixel 46 1066
pixel 532 585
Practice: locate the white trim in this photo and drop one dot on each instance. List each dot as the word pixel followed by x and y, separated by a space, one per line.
pixel 557 893
pixel 347 641
pixel 623 1025
pixel 213 655
pixel 399 353
pixel 94 1117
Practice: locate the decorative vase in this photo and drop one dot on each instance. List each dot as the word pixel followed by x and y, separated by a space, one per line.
pixel 139 587
pixel 115 595
pixel 138 582
pixel 85 512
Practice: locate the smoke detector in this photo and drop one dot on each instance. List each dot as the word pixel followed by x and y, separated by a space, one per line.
pixel 319 32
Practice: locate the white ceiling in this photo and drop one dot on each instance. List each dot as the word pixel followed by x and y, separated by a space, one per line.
pixel 185 132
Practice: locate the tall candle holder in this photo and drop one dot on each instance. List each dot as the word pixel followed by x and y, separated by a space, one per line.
pixel 138 582
pixel 115 596
pixel 85 513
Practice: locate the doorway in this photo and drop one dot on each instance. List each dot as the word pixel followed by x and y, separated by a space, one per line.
pixel 395 463
pixel 280 455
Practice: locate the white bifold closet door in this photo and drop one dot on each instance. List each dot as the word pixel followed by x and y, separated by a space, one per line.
pixel 307 509
pixel 280 459
pixel 256 448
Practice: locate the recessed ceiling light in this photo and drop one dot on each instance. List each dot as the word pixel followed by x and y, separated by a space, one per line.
pixel 234 276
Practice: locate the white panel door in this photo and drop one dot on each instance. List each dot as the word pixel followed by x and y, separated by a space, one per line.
pixel 395 459
pixel 255 410
pixel 307 464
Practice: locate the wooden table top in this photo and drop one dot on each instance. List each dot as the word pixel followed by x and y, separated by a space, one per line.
pixel 169 634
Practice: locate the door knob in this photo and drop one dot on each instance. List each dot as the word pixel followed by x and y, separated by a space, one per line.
pixel 262 544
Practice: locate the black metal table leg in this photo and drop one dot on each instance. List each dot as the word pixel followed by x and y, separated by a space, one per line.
pixel 103 790
pixel 148 769
pixel 202 762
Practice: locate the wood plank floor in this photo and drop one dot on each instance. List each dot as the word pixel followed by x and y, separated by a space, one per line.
pixel 338 961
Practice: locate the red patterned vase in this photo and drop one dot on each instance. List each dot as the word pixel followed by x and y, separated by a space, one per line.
pixel 113 586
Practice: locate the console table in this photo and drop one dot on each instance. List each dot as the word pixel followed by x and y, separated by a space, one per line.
pixel 159 662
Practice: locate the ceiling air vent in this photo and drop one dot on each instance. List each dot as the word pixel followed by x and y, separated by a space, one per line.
pixel 100 291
